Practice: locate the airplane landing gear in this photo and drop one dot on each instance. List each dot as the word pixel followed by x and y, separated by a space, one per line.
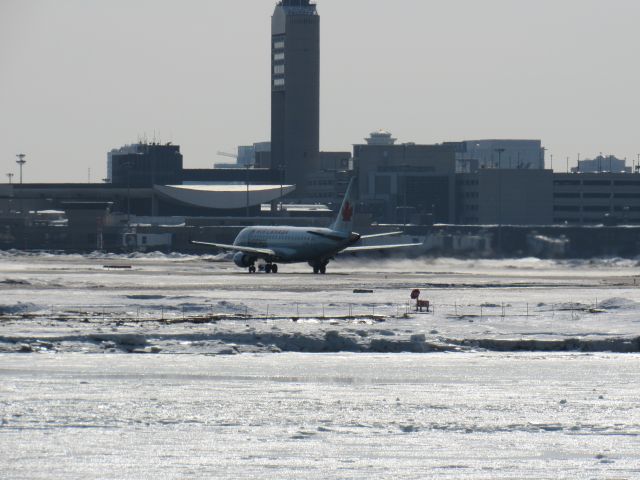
pixel 319 268
pixel 252 269
pixel 271 268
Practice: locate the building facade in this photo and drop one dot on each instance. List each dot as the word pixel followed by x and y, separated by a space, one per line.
pixel 145 165
pixel 405 183
pixel 495 196
pixel 541 197
pixel 596 198
pixel 295 90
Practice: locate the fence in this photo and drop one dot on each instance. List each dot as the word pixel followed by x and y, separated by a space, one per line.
pixel 376 311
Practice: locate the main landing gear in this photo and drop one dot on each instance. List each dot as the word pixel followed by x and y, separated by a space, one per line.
pixel 268 268
pixel 271 268
pixel 319 267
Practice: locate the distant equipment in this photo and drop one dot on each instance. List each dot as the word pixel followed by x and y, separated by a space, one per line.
pixel 420 304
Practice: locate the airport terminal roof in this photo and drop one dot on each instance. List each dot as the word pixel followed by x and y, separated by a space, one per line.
pixel 227 196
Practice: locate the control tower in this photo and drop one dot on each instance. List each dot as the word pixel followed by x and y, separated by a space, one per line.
pixel 295 90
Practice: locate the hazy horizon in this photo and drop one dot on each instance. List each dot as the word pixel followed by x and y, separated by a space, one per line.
pixel 80 78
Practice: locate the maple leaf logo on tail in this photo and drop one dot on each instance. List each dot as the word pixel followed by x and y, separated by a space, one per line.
pixel 347 212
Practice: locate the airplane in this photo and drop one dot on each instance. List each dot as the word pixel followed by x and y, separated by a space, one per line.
pixel 316 246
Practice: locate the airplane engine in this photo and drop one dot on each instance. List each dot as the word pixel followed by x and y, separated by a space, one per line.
pixel 243 260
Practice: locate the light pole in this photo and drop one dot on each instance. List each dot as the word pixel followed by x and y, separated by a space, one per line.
pixel 499 151
pixel 21 161
pixel 247 166
pixel 128 167
pixel 600 163
pixel 10 177
pixel 281 168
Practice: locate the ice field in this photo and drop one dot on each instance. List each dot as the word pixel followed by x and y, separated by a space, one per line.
pixel 177 366
pixel 342 416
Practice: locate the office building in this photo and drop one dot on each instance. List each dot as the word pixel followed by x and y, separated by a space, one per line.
pixel 295 90
pixel 144 165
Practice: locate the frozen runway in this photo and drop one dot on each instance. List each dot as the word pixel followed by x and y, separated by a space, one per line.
pixel 291 416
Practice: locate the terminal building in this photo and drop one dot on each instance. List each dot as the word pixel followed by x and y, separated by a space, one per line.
pixel 149 179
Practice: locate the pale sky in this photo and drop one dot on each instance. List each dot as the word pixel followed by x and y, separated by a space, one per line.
pixel 79 77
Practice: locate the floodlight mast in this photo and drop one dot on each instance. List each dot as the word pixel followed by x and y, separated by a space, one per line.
pixel 21 161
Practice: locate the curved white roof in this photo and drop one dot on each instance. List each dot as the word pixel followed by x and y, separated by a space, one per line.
pixel 228 197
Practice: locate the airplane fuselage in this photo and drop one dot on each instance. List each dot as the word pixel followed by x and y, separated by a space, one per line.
pixel 296 244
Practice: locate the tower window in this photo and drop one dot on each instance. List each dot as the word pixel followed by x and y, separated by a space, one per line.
pixel 278 45
pixel 278 56
pixel 278 69
pixel 278 82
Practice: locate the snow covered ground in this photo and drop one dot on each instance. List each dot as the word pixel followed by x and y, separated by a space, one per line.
pixel 340 416
pixel 73 405
pixel 190 304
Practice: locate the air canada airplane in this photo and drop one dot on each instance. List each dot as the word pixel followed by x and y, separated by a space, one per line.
pixel 316 246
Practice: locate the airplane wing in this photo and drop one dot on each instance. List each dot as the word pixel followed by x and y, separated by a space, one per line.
pixel 264 252
pixel 374 248
pixel 377 235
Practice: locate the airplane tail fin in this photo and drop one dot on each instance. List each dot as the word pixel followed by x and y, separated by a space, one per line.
pixel 344 220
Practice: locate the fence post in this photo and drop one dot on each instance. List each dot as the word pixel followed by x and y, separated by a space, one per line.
pixel 480 312
pixel 527 309
pixel 455 305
